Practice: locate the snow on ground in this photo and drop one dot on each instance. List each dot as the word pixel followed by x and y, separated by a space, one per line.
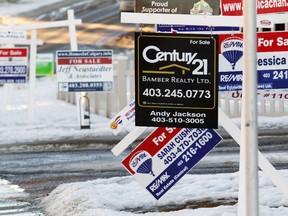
pixel 55 119
pixel 105 197
pixel 52 119
pixel 9 190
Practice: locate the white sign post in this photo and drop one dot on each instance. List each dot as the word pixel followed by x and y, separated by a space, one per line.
pixel 32 76
pixel 74 47
pixel 33 43
pixel 248 179
pixel 71 23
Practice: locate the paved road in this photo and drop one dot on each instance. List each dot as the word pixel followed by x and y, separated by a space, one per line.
pixel 40 172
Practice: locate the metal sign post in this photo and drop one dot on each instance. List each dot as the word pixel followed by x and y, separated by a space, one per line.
pixel 84 112
pixel 248 180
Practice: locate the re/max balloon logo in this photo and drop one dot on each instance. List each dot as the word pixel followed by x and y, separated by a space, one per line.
pixel 232 42
pixel 141 162
pixel 232 50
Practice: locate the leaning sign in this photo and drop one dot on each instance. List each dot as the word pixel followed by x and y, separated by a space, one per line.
pixel 167 154
pixel 85 71
pixel 13 65
pixel 176 80
pixel 125 117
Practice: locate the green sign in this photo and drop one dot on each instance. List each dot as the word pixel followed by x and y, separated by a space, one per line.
pixel 45 64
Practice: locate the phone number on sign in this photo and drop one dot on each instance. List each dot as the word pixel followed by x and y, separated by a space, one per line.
pixel 178 120
pixel 189 141
pixel 13 70
pixel 86 85
pixel 176 93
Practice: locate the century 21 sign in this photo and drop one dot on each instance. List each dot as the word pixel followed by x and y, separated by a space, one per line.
pixel 176 80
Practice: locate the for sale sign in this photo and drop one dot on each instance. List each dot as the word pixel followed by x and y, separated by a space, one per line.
pixel 13 65
pixel 167 154
pixel 176 80
pixel 235 7
pixel 85 71
pixel 272 58
pixel 123 118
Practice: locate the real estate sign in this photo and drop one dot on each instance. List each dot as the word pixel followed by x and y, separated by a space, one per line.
pixel 13 65
pixel 272 58
pixel 167 154
pixel 45 64
pixel 123 118
pixel 176 80
pixel 85 71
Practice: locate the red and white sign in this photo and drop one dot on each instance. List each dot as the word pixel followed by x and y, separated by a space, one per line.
pixel 272 59
pixel 234 7
pixel 123 118
pixel 13 52
pixel 272 48
pixel 13 65
pixel 85 70
pixel 167 154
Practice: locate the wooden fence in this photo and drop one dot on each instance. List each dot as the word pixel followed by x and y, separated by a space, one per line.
pixel 109 104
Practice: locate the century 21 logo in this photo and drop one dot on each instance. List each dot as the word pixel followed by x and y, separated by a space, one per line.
pixel 174 56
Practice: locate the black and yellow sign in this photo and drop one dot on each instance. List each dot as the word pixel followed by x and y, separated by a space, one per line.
pixel 176 80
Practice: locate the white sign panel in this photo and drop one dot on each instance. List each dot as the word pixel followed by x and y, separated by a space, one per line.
pixel 5 34
pixel 85 71
pixel 123 118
